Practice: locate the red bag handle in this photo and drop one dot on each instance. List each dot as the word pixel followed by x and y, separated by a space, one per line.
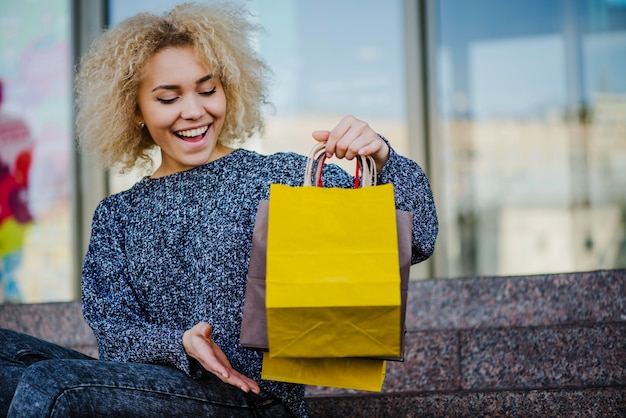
pixel 365 168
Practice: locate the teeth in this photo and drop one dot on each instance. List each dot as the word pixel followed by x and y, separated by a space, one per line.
pixel 190 133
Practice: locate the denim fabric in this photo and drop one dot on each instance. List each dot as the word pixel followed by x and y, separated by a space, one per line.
pixel 41 379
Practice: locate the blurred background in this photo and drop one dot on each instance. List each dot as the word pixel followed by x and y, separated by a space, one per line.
pixel 515 109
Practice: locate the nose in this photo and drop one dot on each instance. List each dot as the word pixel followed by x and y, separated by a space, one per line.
pixel 192 108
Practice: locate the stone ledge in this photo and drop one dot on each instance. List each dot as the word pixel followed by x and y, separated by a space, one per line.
pixel 61 323
pixel 592 402
pixel 517 301
pixel 506 359
pixel 543 345
pixel 511 333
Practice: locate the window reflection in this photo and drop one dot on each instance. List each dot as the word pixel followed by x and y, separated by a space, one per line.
pixel 330 59
pixel 528 127
pixel 530 138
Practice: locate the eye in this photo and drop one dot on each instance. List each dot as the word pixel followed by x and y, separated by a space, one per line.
pixel 209 92
pixel 167 101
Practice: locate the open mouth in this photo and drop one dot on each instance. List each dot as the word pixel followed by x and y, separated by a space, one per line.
pixel 195 134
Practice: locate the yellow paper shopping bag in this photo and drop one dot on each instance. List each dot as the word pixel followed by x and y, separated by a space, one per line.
pixel 347 373
pixel 333 281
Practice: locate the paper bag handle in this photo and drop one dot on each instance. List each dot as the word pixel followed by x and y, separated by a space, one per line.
pixel 365 168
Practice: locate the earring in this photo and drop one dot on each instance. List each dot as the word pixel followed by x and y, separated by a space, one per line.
pixel 142 125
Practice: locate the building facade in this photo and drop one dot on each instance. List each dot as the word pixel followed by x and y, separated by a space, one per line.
pixel 516 110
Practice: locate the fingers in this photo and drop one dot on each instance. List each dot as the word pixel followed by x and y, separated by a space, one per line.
pixel 242 382
pixel 320 136
pixel 349 138
pixel 352 137
pixel 233 377
pixel 198 343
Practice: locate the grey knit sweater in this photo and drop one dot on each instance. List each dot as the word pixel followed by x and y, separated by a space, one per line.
pixel 174 251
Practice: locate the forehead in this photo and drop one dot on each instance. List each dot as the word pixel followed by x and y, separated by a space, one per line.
pixel 174 65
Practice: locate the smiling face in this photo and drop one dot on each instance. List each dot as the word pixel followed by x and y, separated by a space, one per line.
pixel 183 106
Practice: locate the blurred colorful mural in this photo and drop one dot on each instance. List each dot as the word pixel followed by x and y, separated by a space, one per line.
pixel 35 151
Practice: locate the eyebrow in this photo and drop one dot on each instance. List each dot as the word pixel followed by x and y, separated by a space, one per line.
pixel 177 87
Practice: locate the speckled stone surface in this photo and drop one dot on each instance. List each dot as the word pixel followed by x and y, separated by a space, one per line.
pixel 525 346
pixel 521 358
pixel 62 323
pixel 583 403
pixel 517 301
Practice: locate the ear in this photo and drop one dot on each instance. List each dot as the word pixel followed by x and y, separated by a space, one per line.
pixel 139 119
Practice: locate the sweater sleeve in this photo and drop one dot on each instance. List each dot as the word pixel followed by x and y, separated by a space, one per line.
pixel 121 328
pixel 413 194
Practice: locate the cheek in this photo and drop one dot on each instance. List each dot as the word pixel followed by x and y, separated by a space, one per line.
pixel 158 116
pixel 221 106
pixel 223 109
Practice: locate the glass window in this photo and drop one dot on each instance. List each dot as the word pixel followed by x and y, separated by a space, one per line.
pixel 329 58
pixel 36 261
pixel 332 59
pixel 529 135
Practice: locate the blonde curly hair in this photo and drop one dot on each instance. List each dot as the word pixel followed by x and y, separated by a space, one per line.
pixel 111 71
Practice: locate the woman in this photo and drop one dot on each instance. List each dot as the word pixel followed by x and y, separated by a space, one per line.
pixel 165 272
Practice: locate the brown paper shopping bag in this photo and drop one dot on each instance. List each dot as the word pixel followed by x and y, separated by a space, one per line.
pixel 254 324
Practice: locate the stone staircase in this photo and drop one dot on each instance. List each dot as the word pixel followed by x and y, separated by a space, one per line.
pixel 549 345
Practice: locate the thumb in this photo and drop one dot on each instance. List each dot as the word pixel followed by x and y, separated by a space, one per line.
pixel 321 135
pixel 207 331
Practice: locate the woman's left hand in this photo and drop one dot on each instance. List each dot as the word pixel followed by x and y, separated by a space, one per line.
pixel 198 343
pixel 352 137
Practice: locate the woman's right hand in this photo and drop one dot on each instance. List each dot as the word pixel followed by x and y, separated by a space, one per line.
pixel 199 344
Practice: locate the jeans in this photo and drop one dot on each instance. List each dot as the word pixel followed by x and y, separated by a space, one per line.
pixel 41 379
